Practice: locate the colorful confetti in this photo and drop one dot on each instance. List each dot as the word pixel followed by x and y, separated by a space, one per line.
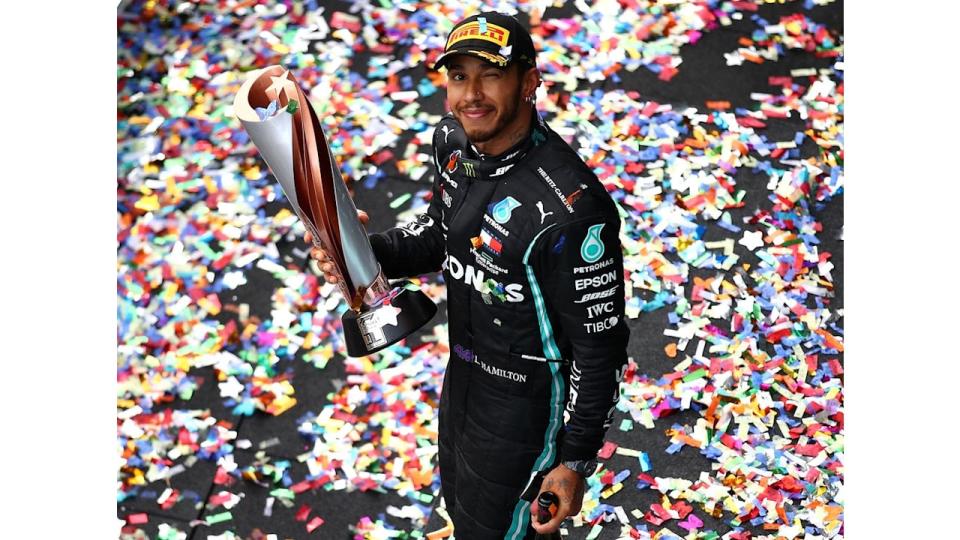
pixel 756 339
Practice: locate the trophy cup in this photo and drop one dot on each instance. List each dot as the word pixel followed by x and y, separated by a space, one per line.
pixel 286 131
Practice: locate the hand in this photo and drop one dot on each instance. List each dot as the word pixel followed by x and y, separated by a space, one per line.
pixel 320 256
pixel 568 486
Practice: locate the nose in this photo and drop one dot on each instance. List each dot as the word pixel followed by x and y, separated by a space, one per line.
pixel 474 88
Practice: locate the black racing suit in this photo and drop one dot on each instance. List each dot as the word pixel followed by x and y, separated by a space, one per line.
pixel 528 243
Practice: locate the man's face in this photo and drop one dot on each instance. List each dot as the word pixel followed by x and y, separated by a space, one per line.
pixel 483 97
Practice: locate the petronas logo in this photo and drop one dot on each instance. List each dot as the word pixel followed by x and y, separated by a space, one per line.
pixel 592 248
pixel 503 209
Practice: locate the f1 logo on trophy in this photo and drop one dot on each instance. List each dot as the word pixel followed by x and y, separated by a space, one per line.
pixel 286 131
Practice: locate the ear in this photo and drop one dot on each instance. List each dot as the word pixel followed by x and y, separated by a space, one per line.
pixel 530 81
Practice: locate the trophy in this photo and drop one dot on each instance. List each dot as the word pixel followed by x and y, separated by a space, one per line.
pixel 286 131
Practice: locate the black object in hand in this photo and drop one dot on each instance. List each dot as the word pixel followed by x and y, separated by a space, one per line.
pixel 547 504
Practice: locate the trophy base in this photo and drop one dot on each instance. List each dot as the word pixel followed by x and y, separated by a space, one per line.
pixel 376 327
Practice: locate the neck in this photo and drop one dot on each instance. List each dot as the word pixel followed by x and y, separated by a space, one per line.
pixel 512 133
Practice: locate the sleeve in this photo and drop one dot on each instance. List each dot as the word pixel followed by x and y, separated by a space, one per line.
pixel 417 247
pixel 580 265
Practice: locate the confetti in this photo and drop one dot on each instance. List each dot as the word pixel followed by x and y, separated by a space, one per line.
pixel 755 336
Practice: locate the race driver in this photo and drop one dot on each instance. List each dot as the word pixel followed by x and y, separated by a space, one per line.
pixel 527 239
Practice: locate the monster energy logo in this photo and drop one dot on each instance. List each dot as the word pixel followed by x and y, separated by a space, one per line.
pixel 468 169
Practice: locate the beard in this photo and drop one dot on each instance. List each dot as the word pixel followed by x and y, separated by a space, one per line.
pixel 487 133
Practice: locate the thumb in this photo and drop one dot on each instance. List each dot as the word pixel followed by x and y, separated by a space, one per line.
pixel 553 524
pixel 363 216
pixel 535 511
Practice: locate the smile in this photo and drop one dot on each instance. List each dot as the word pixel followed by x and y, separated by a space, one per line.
pixel 476 113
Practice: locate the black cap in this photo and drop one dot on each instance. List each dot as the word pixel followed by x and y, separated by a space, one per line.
pixel 497 38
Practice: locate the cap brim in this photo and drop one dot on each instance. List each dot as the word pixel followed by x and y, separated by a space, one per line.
pixel 495 59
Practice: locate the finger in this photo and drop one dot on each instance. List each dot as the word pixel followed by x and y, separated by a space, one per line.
pixel 541 528
pixel 554 524
pixel 535 522
pixel 534 515
pixel 563 511
pixel 332 279
pixel 319 255
pixel 363 216
pixel 548 527
pixel 307 237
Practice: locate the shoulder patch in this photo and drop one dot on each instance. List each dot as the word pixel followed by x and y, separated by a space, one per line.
pixel 565 199
pixel 592 247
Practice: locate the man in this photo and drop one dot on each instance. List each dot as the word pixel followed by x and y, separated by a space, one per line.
pixel 527 239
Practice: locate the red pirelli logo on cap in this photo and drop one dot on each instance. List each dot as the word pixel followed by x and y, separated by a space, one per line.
pixel 494 34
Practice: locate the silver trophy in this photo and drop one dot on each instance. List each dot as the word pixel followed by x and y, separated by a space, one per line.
pixel 286 131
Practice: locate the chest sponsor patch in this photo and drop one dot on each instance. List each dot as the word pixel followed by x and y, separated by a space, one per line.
pixel 490 241
pixel 503 210
pixel 543 214
pixel 485 261
pixel 496 226
pixel 506 292
pixel 447 180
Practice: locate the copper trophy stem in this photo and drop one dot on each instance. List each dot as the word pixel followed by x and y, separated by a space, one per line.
pixel 284 127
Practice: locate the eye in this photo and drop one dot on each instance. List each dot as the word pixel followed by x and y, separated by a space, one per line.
pixel 457 76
